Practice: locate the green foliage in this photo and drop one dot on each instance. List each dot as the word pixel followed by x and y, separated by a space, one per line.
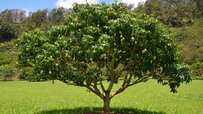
pixel 30 47
pixel 27 73
pixel 190 42
pixel 100 41
pixel 4 59
pixel 105 43
pixel 7 32
pixel 56 16
pixel 39 17
pixel 197 70
pixel 6 16
pixel 8 72
pixel 199 6
pixel 30 50
pixel 175 13
pixel 44 19
pixel 8 59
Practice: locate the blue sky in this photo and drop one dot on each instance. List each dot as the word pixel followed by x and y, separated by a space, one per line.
pixel 26 4
pixel 34 5
pixel 30 4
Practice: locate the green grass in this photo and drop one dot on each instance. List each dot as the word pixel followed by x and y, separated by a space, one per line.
pixel 21 97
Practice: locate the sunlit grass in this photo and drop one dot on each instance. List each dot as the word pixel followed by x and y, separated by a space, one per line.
pixel 21 97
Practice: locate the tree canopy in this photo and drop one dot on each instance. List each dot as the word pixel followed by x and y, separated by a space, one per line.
pixel 105 43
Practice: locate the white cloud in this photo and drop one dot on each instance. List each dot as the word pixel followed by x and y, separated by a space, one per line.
pixel 134 2
pixel 69 3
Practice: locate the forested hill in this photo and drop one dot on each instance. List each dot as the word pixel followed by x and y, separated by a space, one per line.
pixel 185 17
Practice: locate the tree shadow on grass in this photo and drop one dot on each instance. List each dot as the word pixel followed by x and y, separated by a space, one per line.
pixel 98 110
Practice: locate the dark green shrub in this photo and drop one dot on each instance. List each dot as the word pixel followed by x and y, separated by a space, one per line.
pixel 7 32
pixel 197 70
pixel 8 72
pixel 27 73
pixel 4 60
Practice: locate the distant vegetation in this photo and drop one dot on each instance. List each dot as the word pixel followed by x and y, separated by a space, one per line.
pixel 8 60
pixel 185 17
pixel 190 45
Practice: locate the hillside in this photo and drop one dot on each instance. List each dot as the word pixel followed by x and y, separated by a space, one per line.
pixel 8 60
pixel 190 42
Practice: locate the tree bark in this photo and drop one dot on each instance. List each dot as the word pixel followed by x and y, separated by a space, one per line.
pixel 106 104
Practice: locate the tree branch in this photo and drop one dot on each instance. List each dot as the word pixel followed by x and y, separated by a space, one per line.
pixel 126 84
pixel 112 73
pixel 138 81
pixel 123 86
pixel 102 87
pixel 97 92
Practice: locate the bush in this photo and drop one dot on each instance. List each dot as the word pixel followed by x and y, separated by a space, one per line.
pixel 7 33
pixel 4 60
pixel 8 72
pixel 27 73
pixel 197 70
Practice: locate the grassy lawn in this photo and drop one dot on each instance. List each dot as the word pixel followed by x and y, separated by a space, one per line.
pixel 21 97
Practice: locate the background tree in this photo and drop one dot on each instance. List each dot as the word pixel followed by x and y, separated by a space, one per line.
pixel 185 16
pixel 199 4
pixel 190 42
pixel 105 43
pixel 8 59
pixel 57 16
pixel 39 18
pixel 6 16
pixel 7 32
pixel 190 45
pixel 175 13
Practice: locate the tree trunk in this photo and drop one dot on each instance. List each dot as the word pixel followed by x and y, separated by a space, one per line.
pixel 107 105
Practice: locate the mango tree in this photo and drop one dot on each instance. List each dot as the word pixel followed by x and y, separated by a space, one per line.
pixel 102 45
